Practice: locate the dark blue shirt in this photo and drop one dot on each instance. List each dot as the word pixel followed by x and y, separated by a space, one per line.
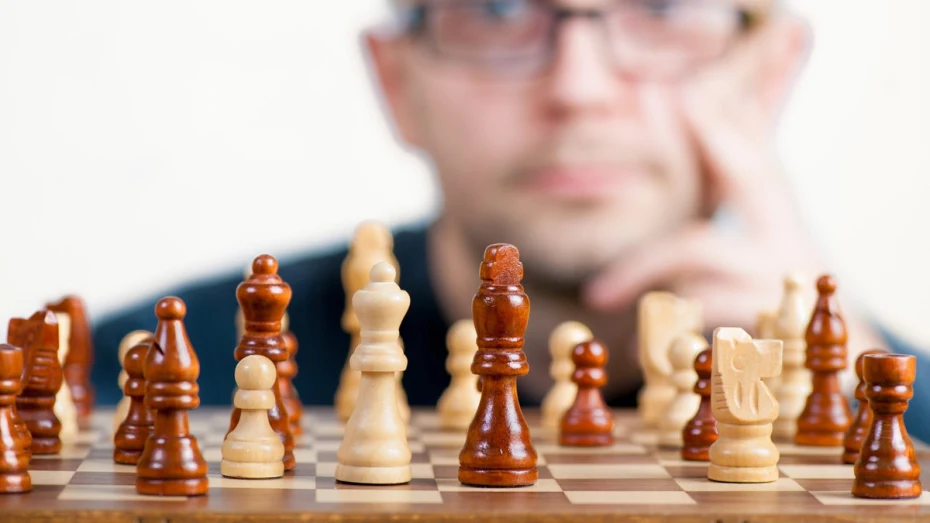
pixel 315 312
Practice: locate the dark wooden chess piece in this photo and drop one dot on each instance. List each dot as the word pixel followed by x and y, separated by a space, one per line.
pixel 498 451
pixel 826 416
pixel 80 358
pixel 887 468
pixel 134 431
pixel 171 463
pixel 14 443
pixel 860 426
pixel 701 431
pixel 42 377
pixel 287 370
pixel 588 422
pixel 264 298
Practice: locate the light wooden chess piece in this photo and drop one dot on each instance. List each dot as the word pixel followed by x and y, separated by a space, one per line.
pixel 684 350
pixel 560 397
pixel 795 383
pixel 458 403
pixel 371 244
pixel 64 408
pixel 253 450
pixel 374 449
pixel 128 342
pixel 662 317
pixel 744 408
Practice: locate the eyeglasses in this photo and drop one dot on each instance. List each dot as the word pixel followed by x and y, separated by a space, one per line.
pixel 662 39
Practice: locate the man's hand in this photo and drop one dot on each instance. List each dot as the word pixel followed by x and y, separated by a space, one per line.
pixel 736 272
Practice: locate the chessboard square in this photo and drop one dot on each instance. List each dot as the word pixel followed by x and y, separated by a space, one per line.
pixel 99 465
pixel 327 428
pixel 602 485
pixel 678 462
pixel 790 449
pixel 541 485
pixel 68 452
pixel 616 448
pixel 55 465
pixel 103 478
pixel 443 439
pixel 603 459
pixel 51 477
pixel 631 497
pixel 647 438
pixel 327 469
pixel 845 497
pixel 379 496
pixel 329 447
pixel 818 471
pixel 562 471
pixel 305 455
pixel 109 493
pixel 85 438
pixel 706 485
pixel 287 482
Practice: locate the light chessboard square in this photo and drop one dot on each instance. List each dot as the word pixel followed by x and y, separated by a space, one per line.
pixel 590 471
pixel 51 477
pixel 589 497
pixel 706 485
pixel 818 471
pixel 790 449
pixel 67 452
pixel 286 483
pixel 109 493
pixel 375 496
pixel 100 465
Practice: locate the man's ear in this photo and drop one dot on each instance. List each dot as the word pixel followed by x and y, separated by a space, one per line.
pixel 787 55
pixel 388 70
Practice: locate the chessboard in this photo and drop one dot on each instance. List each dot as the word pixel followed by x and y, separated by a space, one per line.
pixel 632 480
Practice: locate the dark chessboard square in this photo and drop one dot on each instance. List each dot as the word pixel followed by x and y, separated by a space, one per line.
pixel 103 478
pixel 512 500
pixel 618 459
pixel 753 499
pixel 825 485
pixel 619 484
pixel 55 464
pixel 415 484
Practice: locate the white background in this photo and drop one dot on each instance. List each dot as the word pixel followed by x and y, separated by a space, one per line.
pixel 144 144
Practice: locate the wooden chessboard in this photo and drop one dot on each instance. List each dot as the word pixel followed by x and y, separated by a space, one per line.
pixel 630 481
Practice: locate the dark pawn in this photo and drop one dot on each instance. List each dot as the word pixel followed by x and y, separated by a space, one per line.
pixel 856 433
pixel 134 431
pixel 171 464
pixel 14 443
pixel 826 416
pixel 498 451
pixel 42 377
pixel 264 298
pixel 887 468
pixel 287 370
pixel 588 422
pixel 701 431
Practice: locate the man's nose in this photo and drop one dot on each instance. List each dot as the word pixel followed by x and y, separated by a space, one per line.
pixel 583 77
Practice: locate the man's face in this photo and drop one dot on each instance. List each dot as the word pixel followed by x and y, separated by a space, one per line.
pixel 575 163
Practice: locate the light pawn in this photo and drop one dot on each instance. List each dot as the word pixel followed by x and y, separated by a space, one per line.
pixel 64 407
pixel 560 397
pixel 374 449
pixel 253 450
pixel 458 403
pixel 794 386
pixel 684 350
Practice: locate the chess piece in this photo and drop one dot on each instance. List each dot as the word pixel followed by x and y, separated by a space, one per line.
pixel 684 350
pixel 459 401
pixel 765 330
pixel 792 389
pixel 701 431
pixel 826 416
pixel 852 442
pixel 560 397
pixel 744 408
pixel 64 407
pixel 14 442
pixel 662 317
pixel 287 370
pixel 402 405
pixel 887 468
pixel 498 451
pixel 139 424
pixel 129 341
pixel 588 422
pixel 171 463
pixel 253 450
pixel 263 298
pixel 42 377
pixel 240 318
pixel 80 358
pixel 372 243
pixel 374 448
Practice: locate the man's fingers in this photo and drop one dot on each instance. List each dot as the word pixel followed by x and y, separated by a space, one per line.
pixel 695 253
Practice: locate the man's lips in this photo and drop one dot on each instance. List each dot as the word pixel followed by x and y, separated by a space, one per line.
pixel 581 181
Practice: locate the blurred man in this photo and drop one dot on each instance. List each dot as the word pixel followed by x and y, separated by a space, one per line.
pixel 621 145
